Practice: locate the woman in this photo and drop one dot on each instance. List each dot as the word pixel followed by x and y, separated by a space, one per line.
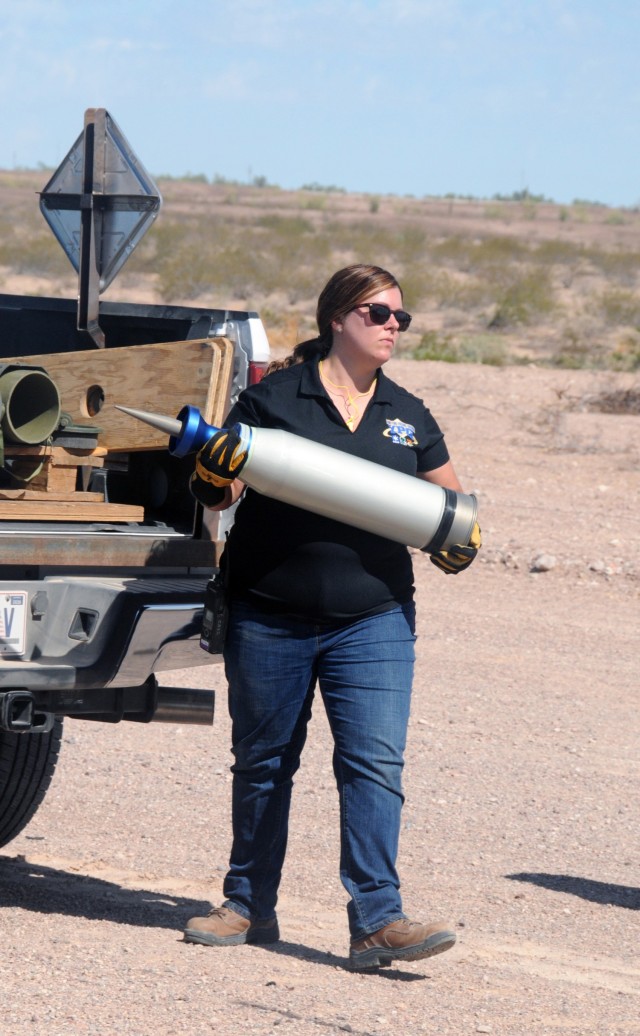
pixel 313 600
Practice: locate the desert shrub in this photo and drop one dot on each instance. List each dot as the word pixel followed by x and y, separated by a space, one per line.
pixel 523 194
pixel 364 241
pixel 619 401
pixel 472 293
pixel 626 354
pixel 497 251
pixel 496 212
pixel 526 297
pixel 316 202
pixel 410 244
pixel 619 306
pixel 6 251
pixel 620 265
pixel 436 346
pixel 447 290
pixel 616 218
pixel 37 256
pixel 191 263
pixel 285 226
pixel 221 180
pixel 575 352
pixel 414 289
pixel 189 178
pixel 454 250
pixel 557 251
pixel 438 288
pixel 488 349
pixel 479 255
pixel 485 349
pixel 323 188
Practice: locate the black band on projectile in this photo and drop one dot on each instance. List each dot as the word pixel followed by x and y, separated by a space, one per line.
pixel 450 500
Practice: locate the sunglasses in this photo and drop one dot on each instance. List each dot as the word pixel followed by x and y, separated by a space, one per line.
pixel 380 313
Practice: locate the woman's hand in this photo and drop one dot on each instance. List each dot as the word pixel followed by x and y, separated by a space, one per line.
pixel 458 557
pixel 214 483
pixel 216 498
pixel 222 458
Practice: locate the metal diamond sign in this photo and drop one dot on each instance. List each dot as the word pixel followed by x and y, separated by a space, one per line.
pixel 99 203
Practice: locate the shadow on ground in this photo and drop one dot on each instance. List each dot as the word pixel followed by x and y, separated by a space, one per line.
pixel 585 888
pixel 48 890
pixel 302 952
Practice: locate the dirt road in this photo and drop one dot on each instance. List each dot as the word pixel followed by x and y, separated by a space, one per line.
pixel 522 782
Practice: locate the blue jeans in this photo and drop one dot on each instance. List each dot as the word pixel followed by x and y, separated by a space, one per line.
pixel 364 671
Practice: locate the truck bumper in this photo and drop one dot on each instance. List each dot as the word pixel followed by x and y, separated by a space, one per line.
pixel 83 635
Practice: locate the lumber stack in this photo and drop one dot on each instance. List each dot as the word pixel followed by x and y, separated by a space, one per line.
pixel 47 483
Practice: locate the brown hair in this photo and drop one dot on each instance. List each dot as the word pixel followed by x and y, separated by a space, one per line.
pixel 345 290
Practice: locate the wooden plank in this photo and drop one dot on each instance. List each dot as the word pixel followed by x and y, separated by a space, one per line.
pixel 38 494
pixel 56 480
pixel 161 377
pixel 58 454
pixel 59 466
pixel 67 511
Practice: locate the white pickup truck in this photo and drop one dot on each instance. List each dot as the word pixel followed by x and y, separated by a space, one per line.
pixel 104 555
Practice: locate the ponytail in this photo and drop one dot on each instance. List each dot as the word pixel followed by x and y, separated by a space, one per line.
pixel 304 352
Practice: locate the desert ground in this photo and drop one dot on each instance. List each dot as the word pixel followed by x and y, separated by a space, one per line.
pixel 522 783
pixel 522 776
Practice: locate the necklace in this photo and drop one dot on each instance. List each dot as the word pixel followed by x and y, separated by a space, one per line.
pixel 348 399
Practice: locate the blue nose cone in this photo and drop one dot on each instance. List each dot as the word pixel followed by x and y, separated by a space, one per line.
pixel 195 432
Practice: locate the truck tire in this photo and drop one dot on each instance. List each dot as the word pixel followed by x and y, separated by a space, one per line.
pixel 27 763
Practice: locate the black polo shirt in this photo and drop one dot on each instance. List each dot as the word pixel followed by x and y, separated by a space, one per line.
pixel 285 559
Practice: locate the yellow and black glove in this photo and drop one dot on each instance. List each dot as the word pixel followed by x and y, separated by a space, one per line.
pixel 204 492
pixel 218 463
pixel 458 557
pixel 222 458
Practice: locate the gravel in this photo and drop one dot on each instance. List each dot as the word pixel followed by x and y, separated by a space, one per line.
pixel 521 820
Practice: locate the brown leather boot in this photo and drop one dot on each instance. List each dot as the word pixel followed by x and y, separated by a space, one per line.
pixel 400 940
pixel 224 927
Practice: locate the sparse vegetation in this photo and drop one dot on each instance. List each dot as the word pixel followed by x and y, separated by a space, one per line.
pixel 526 298
pixel 512 279
pixel 321 187
pixel 620 401
pixel 482 348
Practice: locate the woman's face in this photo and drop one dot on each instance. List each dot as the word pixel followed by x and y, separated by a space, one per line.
pixel 360 338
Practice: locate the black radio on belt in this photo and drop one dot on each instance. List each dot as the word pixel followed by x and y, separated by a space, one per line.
pixel 215 617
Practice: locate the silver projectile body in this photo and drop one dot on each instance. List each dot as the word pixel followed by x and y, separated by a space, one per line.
pixel 334 484
pixel 358 492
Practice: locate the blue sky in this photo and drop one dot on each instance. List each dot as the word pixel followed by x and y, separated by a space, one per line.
pixel 419 97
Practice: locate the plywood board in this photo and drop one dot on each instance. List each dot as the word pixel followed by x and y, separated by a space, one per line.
pixel 161 377
pixel 35 494
pixel 45 510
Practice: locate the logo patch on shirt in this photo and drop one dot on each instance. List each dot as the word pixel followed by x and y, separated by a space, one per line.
pixel 401 433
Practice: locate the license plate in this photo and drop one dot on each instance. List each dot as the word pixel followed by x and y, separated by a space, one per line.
pixel 13 622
